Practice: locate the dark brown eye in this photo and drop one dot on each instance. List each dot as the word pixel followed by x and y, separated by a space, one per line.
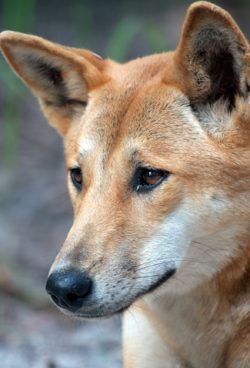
pixel 76 177
pixel 147 179
pixel 151 177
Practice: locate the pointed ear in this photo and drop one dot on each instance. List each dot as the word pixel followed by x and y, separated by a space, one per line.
pixel 61 77
pixel 212 56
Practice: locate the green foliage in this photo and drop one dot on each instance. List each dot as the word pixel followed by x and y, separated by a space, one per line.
pixel 122 36
pixel 18 16
pixel 156 38
pixel 125 31
pixel 82 19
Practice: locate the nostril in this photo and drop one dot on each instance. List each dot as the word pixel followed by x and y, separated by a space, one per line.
pixel 54 298
pixel 58 301
pixel 68 289
pixel 72 297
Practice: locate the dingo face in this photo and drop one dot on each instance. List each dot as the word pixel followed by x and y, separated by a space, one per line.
pixel 157 153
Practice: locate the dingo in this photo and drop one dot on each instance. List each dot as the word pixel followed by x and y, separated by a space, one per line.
pixel 158 159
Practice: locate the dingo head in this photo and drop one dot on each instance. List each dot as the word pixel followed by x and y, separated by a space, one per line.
pixel 157 153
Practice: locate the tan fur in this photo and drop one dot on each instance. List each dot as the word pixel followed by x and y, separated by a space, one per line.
pixel 177 111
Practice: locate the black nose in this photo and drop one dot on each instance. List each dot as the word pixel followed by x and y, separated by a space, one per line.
pixel 68 288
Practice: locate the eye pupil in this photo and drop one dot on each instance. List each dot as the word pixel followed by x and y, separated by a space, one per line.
pixel 76 177
pixel 147 179
pixel 151 177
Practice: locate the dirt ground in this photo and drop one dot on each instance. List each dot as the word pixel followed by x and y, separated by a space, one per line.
pixel 43 338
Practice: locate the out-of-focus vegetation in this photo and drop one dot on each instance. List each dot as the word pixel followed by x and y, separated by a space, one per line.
pixel 112 26
pixel 16 15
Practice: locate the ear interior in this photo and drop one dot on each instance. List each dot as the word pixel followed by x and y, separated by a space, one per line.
pixel 212 53
pixel 60 77
pixel 221 59
pixel 56 81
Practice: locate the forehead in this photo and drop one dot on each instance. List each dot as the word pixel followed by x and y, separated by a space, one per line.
pixel 134 112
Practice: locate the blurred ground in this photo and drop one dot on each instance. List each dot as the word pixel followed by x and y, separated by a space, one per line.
pixel 35 213
pixel 42 338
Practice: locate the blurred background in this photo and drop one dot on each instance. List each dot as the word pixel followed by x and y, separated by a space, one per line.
pixel 35 213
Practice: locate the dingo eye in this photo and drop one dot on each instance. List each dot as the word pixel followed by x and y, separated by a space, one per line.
pixel 76 177
pixel 147 179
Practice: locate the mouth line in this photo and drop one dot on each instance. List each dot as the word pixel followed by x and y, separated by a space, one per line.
pixel 158 283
